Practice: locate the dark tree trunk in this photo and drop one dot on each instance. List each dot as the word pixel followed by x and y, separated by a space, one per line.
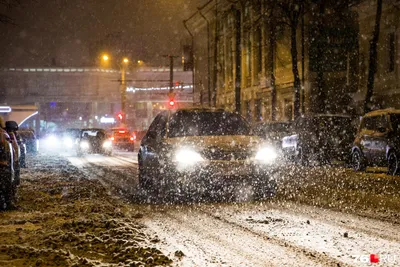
pixel 321 97
pixel 373 58
pixel 272 40
pixel 296 82
pixel 238 59
pixel 215 72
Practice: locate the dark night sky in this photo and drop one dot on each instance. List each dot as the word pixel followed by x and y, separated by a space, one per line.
pixel 67 30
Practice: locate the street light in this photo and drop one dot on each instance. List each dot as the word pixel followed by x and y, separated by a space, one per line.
pixel 122 65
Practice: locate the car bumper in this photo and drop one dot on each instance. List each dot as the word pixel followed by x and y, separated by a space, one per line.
pixel 221 172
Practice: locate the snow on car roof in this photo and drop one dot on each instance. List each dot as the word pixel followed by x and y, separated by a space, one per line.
pixel 382 112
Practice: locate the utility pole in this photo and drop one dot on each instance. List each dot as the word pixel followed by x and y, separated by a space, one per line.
pixel 171 73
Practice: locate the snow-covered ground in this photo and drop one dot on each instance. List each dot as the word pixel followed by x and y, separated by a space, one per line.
pixel 87 211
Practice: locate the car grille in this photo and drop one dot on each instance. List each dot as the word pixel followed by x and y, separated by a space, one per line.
pixel 218 154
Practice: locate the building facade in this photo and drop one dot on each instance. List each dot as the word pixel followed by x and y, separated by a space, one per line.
pixel 239 45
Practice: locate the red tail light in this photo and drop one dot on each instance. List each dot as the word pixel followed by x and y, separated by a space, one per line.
pixel 112 138
pixel 132 138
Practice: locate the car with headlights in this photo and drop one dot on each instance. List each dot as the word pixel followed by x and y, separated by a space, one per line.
pixel 194 150
pixel 122 138
pixel 93 141
pixel 31 142
pixel 321 138
pixel 377 142
pixel 7 171
pixel 52 141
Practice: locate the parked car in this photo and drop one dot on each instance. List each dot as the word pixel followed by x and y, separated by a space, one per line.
pixel 11 128
pixel 8 184
pixel 22 148
pixel 200 149
pixel 122 138
pixel 321 138
pixel 377 142
pixel 31 142
pixel 93 141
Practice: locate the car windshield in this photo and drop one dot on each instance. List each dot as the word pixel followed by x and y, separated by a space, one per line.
pixel 207 124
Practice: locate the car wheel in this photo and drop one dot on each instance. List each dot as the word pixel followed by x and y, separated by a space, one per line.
pixel 393 163
pixel 358 161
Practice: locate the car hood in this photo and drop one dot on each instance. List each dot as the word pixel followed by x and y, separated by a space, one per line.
pixel 227 143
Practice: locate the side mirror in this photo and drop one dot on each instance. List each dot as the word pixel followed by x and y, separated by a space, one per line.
pixel 11 126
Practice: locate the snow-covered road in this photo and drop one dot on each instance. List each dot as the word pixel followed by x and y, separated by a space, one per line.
pixel 268 233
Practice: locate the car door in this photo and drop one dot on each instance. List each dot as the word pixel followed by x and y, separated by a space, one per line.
pixel 365 136
pixel 379 139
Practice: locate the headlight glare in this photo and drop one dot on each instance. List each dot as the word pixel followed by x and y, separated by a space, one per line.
pixel 68 142
pixel 84 145
pixel 266 155
pixel 107 144
pixel 188 157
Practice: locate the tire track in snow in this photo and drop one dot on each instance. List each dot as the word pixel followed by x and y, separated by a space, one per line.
pixel 319 237
pixel 210 241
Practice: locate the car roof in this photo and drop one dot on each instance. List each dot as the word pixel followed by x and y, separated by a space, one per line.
pixel 92 129
pixel 382 112
pixel 196 109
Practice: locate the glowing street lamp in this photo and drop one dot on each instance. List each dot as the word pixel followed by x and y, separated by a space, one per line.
pixel 105 57
pixel 125 60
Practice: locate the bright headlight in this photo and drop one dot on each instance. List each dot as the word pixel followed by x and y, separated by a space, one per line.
pixel 266 155
pixel 68 142
pixel 84 145
pixel 107 144
pixel 187 157
pixel 51 141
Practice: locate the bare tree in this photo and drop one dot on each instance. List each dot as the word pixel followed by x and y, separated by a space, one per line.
pixel 292 11
pixel 373 57
pixel 6 5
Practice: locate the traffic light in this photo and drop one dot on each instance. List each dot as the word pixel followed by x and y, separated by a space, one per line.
pixel 120 116
pixel 171 102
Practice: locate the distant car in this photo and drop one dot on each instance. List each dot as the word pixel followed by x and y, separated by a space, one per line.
pixel 122 138
pixel 29 137
pixel 52 141
pixel 377 142
pixel 93 141
pixel 320 137
pixel 7 171
pixel 199 149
